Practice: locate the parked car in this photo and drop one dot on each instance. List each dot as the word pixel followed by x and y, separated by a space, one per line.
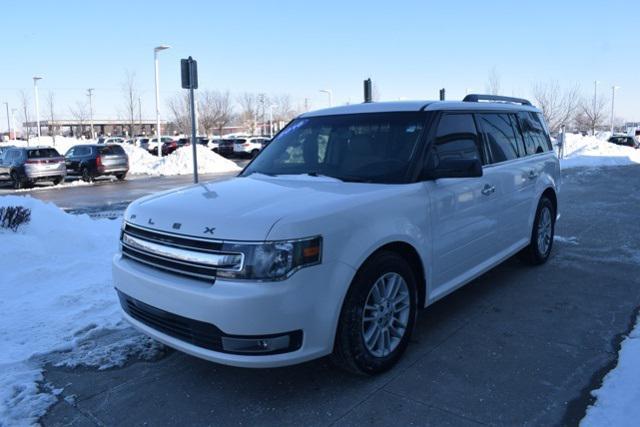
pixel 330 241
pixel 90 161
pixel 110 140
pixel 4 149
pixel 225 147
pixel 152 144
pixel 25 166
pixel 625 140
pixel 249 147
pixel 214 143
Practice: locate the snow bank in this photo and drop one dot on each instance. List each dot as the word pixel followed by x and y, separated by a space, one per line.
pixel 56 293
pixel 177 163
pixel 618 400
pixel 595 151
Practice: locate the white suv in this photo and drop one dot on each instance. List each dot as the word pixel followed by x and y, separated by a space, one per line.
pixel 249 146
pixel 333 237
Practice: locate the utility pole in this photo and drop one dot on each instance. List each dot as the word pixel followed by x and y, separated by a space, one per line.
pixel 140 114
pixel 90 95
pixel 157 72
pixel 35 90
pixel 613 97
pixel 330 94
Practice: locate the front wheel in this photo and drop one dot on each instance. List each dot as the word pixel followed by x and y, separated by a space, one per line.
pixel 16 181
pixel 378 316
pixel 542 234
pixel 254 153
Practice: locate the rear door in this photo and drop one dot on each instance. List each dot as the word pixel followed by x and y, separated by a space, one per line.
pixel 515 174
pixel 464 218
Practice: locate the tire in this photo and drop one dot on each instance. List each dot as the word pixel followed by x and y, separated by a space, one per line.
pixel 121 176
pixel 352 350
pixel 542 234
pixel 254 153
pixel 58 180
pixel 16 181
pixel 86 175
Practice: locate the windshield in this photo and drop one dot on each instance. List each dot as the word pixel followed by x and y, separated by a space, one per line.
pixel 359 147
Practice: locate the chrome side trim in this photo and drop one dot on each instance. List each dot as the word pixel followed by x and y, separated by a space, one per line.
pixel 223 261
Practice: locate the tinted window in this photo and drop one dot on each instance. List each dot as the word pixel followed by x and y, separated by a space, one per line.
pixel 111 150
pixel 457 137
pixel 535 136
pixel 42 153
pixel 500 136
pixel 359 147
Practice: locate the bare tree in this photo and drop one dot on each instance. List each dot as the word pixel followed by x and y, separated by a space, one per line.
pixel 51 104
pixel 592 113
pixel 558 106
pixel 179 107
pixel 248 111
pixel 493 82
pixel 130 93
pixel 80 113
pixel 24 103
pixel 224 110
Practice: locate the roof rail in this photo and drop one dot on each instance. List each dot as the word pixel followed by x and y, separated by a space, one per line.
pixel 495 98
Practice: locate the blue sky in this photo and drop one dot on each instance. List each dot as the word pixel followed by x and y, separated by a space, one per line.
pixel 410 49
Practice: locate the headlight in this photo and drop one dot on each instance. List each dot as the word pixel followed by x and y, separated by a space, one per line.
pixel 273 260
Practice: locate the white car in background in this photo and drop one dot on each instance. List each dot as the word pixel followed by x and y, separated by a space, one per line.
pixel 249 147
pixel 331 240
pixel 110 140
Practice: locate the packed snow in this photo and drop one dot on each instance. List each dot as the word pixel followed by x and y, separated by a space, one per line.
pixel 141 162
pixel 618 400
pixel 595 151
pixel 59 299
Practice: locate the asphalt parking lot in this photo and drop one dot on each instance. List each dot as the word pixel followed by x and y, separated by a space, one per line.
pixel 518 346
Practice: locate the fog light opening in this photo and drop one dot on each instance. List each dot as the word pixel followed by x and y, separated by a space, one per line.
pixel 256 345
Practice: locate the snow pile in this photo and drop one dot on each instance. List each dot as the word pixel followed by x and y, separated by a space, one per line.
pixel 595 151
pixel 56 293
pixel 180 162
pixel 618 400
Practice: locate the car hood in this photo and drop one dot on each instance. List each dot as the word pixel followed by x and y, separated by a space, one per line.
pixel 246 208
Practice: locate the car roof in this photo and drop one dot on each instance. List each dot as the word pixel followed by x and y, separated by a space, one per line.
pixel 408 106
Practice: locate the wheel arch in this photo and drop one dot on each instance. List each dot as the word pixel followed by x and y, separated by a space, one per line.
pixel 412 256
pixel 550 193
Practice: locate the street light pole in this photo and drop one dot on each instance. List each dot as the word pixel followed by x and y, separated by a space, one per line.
pixel 13 123
pixel 35 90
pixel 8 119
pixel 595 113
pixel 271 120
pixel 613 96
pixel 90 95
pixel 155 61
pixel 330 93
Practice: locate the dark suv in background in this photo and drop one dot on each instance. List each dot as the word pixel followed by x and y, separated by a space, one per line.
pixel 92 160
pixel 24 166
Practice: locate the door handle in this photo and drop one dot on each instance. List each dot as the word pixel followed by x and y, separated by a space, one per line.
pixel 488 189
pixel 533 174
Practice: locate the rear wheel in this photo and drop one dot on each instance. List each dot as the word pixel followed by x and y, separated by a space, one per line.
pixel 542 234
pixel 121 176
pixel 254 153
pixel 86 175
pixel 378 316
pixel 58 180
pixel 16 181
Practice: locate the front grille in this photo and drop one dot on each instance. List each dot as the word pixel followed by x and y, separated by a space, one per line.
pixel 201 334
pixel 169 243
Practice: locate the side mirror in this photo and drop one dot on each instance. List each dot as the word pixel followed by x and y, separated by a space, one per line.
pixel 456 168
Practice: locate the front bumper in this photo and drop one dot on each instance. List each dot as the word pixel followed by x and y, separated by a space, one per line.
pixel 309 301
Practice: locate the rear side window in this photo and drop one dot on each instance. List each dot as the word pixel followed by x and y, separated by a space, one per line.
pixel 500 136
pixel 112 150
pixel 457 138
pixel 42 153
pixel 536 139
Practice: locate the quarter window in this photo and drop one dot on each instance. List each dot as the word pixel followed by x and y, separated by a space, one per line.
pixel 500 136
pixel 535 136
